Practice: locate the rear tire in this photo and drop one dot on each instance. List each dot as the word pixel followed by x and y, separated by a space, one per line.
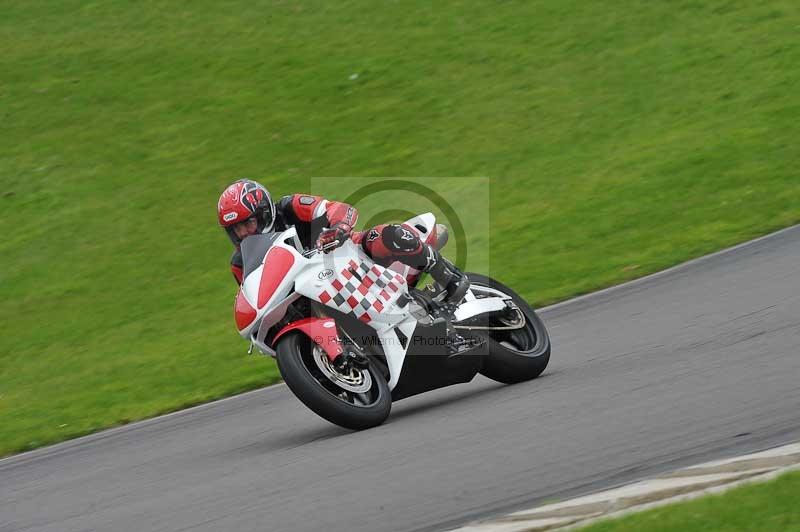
pixel 514 356
pixel 324 396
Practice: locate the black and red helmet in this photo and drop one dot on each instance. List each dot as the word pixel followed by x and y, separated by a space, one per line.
pixel 242 200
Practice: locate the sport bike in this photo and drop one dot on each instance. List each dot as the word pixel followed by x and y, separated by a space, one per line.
pixel 351 336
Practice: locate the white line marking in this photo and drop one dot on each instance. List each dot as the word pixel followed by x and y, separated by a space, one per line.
pixel 633 497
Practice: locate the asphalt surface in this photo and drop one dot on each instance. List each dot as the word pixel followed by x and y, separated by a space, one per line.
pixel 698 363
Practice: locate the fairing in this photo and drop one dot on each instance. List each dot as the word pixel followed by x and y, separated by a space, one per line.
pixel 347 280
pixel 322 331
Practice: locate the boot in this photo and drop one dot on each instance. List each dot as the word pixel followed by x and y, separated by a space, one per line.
pixel 446 275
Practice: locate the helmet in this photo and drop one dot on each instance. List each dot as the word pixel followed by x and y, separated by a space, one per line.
pixel 242 200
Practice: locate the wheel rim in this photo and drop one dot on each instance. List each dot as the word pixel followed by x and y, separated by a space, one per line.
pixel 356 388
pixel 526 340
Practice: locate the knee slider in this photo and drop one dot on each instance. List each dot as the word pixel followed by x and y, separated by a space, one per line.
pixel 399 238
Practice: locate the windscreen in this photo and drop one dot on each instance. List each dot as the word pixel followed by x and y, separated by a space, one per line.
pixel 254 248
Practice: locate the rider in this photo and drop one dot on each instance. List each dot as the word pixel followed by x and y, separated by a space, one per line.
pixel 245 208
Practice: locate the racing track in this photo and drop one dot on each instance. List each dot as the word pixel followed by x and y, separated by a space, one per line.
pixel 697 363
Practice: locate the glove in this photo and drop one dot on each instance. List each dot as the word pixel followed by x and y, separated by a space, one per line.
pixel 339 233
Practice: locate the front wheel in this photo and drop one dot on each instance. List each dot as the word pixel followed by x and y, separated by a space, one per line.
pixel 358 399
pixel 514 355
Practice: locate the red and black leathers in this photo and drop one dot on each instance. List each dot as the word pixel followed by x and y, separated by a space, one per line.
pixel 387 243
pixel 311 215
pixel 390 242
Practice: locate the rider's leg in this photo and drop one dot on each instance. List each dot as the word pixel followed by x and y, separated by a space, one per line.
pixel 390 242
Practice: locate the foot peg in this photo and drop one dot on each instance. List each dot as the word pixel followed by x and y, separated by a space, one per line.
pixel 458 344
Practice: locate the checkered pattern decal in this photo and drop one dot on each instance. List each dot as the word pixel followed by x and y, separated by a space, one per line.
pixel 362 290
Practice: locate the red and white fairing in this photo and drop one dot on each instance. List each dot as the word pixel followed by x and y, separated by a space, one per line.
pixel 352 283
pixel 270 282
pixel 367 291
pixel 346 279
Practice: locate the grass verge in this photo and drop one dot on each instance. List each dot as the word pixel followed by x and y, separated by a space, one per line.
pixel 763 507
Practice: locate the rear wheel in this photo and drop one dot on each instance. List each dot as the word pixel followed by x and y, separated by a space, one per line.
pixel 358 398
pixel 514 355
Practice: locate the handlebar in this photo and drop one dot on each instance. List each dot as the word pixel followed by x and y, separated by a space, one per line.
pixel 313 251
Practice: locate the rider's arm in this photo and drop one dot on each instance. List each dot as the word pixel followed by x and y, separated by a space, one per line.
pixel 307 208
pixel 237 266
pixel 338 213
pixel 237 272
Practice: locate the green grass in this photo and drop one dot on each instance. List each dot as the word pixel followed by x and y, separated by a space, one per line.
pixel 619 139
pixel 767 507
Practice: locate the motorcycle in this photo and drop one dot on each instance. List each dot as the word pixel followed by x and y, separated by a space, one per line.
pixel 351 336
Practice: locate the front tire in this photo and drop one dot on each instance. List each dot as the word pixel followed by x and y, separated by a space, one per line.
pixel 514 356
pixel 324 396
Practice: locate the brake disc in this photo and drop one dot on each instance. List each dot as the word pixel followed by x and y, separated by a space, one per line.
pixel 355 380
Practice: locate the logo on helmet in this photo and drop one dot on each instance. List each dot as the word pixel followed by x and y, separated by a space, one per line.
pixel 230 216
